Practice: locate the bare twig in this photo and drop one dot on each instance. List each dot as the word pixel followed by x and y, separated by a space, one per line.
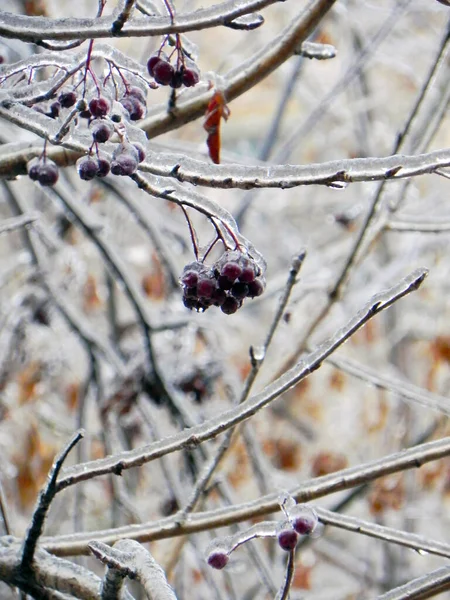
pixel 309 490
pixel 43 505
pixel 134 561
pixel 421 588
pixel 283 594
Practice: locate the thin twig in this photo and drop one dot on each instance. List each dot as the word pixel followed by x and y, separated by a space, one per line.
pixel 283 594
pixel 195 435
pixel 43 505
pixel 426 586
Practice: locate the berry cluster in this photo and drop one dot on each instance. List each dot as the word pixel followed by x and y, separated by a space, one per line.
pixel 164 73
pixel 43 170
pixel 134 102
pixel 226 283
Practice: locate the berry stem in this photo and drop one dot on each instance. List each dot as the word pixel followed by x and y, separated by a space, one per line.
pixel 191 231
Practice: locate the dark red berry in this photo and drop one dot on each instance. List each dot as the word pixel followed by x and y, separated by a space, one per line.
pixel 163 72
pixel 87 168
pixel 48 173
pixel 137 93
pixel 205 287
pixel 248 274
pixel 239 290
pixel 231 270
pixel 103 167
pixel 33 169
pixel 134 107
pixel 287 539
pixel 224 283
pixel 85 114
pixel 218 560
pixel 190 77
pixel 55 107
pixel 218 297
pixel 189 278
pixel 67 99
pixel 101 131
pixel 99 107
pixel 230 305
pixel 255 288
pixel 152 62
pixel 140 150
pixel 304 525
pixel 177 79
pixel 123 165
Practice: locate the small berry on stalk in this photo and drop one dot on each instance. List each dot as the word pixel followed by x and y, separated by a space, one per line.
pixel 137 93
pixel 287 539
pixel 123 165
pixel 99 107
pixel 140 150
pixel 230 305
pixel 54 109
pixel 163 72
pixel 104 167
pixel 190 78
pixel 232 270
pixel 134 107
pixel 255 288
pixel 48 173
pixel 239 290
pixel 152 62
pixel 67 99
pixel 87 168
pixel 33 169
pixel 218 560
pixel 177 79
pixel 101 131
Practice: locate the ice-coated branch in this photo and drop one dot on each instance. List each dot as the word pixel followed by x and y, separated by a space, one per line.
pixel 283 593
pixel 132 560
pixel 35 29
pixel 194 436
pixel 426 586
pixel 393 536
pixel 309 490
pixel 244 76
pixel 52 578
pixel 43 505
pixel 334 173
pixel 401 387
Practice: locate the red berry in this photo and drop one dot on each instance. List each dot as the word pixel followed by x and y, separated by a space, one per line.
pixel 103 167
pixel 231 270
pixel 177 79
pixel 87 168
pixel 287 539
pixel 190 77
pixel 123 165
pixel 189 278
pixel 140 150
pixel 218 560
pixel 137 93
pixel 205 287
pixel 99 107
pixel 224 283
pixel 48 173
pixel 255 288
pixel 152 62
pixel 163 72
pixel 67 99
pixel 101 131
pixel 248 274
pixel 239 290
pixel 230 305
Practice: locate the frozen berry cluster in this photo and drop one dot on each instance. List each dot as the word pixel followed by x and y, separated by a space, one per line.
pixel 225 284
pixel 43 170
pixel 164 73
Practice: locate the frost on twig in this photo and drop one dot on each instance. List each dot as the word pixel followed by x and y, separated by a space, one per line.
pixel 132 560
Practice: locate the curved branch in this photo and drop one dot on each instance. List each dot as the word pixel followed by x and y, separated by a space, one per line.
pixel 194 436
pixel 35 29
pixel 345 479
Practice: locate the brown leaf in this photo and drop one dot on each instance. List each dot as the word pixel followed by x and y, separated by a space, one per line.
pixel 28 380
pixel 328 462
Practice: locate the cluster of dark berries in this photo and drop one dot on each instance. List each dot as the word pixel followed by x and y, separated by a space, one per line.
pixel 43 170
pixel 134 102
pixel 164 73
pixel 226 283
